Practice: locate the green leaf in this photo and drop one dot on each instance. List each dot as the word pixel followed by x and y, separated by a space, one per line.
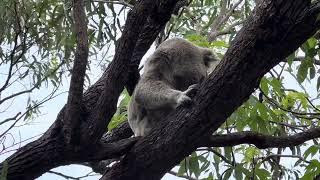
pixel 264 85
pixel 318 83
pixel 194 166
pixel 210 177
pixel 220 44
pixel 312 72
pixel 302 71
pixel 263 111
pixel 228 152
pixel 312 150
pixel 262 173
pixel 291 58
pixel 276 85
pixel 182 169
pixel 312 42
pixel 227 174
pixel 250 153
pixel 238 174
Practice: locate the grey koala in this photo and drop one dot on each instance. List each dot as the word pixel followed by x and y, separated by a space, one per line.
pixel 170 73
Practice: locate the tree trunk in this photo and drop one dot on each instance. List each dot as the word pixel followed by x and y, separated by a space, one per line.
pixel 274 30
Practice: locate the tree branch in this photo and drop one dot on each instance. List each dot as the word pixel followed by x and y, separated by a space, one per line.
pixel 73 107
pixel 284 155
pixel 263 42
pixel 116 73
pixel 155 23
pixel 115 2
pixel 221 19
pixel 261 141
pixel 182 176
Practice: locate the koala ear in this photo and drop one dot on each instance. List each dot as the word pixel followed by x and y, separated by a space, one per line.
pixel 208 56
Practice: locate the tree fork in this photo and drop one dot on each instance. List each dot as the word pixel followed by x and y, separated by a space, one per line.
pixel 274 30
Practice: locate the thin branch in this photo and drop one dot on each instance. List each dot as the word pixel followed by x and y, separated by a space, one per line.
pixel 227 30
pixel 220 20
pixel 301 58
pixel 182 176
pixel 62 175
pixel 283 155
pixel 115 2
pixel 21 141
pixel 261 141
pixel 218 154
pixel 10 119
pixel 12 63
pixel 47 98
pixel 34 87
pixel 71 177
pixel 287 110
pixel 299 127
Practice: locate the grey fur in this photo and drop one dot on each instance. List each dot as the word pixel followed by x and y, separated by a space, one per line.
pixel 170 73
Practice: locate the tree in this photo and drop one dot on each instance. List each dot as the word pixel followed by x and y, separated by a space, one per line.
pixel 270 35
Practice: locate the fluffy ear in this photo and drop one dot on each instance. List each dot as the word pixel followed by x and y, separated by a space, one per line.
pixel 209 56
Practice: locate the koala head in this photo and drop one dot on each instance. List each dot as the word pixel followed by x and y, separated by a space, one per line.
pixel 181 63
pixel 210 59
pixel 189 63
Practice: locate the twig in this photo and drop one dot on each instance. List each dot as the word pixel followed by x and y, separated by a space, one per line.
pixel 287 110
pixel 218 154
pixel 222 18
pixel 182 176
pixel 10 119
pixel 34 87
pixel 47 98
pixel 261 141
pixel 283 155
pixel 115 2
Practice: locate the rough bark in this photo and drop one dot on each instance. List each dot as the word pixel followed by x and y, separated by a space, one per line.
pixel 155 23
pixel 98 105
pixel 274 30
pixel 74 103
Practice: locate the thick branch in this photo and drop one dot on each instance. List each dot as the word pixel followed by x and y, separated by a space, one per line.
pixel 155 23
pixel 73 107
pixel 116 73
pixel 44 154
pixel 113 79
pixel 104 150
pixel 274 30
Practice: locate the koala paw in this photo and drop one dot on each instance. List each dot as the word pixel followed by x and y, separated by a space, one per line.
pixel 183 99
pixel 192 90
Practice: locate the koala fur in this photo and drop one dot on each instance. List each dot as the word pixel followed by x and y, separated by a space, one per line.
pixel 170 73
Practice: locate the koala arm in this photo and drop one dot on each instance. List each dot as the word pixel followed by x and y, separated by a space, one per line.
pixel 157 94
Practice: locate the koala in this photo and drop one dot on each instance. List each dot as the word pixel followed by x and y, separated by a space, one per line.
pixel 170 75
